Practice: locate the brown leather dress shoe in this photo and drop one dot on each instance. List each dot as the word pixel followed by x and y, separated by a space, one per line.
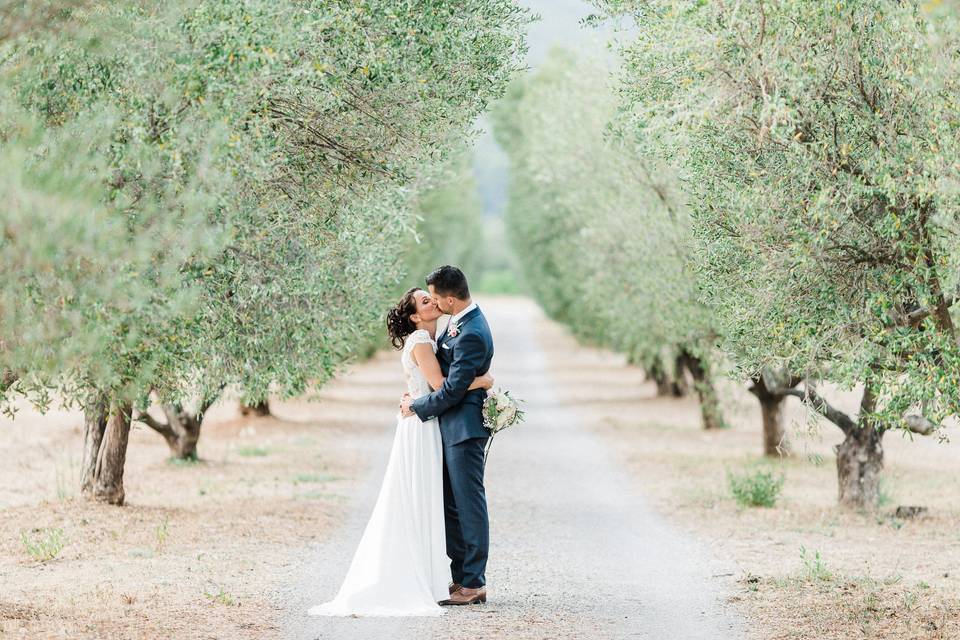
pixel 454 587
pixel 466 595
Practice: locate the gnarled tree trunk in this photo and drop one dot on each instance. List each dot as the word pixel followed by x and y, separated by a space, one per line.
pixel 182 428
pixel 679 386
pixel 658 373
pixel 95 424
pixel 7 378
pixel 771 410
pixel 860 455
pixel 107 429
pixel 259 409
pixel 186 430
pixel 770 388
pixel 669 383
pixel 774 435
pixel 860 459
pixel 859 464
pixel 703 384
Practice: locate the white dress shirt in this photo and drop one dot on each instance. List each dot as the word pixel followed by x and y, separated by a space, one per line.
pixel 455 319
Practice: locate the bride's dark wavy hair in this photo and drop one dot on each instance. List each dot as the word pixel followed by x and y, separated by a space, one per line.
pixel 399 324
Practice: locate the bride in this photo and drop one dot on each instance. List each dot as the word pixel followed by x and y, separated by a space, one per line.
pixel 400 567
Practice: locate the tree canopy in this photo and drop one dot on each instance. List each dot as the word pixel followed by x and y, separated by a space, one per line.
pixel 602 237
pixel 815 143
pixel 219 193
pixel 245 173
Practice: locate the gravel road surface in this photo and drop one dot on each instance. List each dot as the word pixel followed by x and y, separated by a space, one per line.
pixel 575 550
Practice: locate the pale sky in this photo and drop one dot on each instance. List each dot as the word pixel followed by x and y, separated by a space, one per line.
pixel 559 25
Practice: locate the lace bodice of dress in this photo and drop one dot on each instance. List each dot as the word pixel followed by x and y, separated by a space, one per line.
pixel 416 384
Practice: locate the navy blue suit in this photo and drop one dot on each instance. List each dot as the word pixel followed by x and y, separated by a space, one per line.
pixel 462 358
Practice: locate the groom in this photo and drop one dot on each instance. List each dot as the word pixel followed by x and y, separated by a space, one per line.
pixel 465 350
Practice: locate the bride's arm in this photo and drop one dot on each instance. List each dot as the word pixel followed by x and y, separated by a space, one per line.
pixel 426 359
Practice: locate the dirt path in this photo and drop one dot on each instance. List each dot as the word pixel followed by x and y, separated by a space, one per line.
pixel 575 552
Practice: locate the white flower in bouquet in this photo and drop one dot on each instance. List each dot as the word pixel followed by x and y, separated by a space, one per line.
pixel 500 411
pixel 505 417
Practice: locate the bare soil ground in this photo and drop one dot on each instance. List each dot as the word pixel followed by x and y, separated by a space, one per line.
pixel 208 550
pixel 807 567
pixel 200 549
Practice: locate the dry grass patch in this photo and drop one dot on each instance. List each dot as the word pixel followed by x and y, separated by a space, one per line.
pixel 847 607
pixel 202 549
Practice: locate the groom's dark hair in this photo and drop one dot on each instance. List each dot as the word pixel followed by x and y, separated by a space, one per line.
pixel 449 281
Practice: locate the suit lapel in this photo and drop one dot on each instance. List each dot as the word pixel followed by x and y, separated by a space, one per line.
pixel 467 318
pixel 443 336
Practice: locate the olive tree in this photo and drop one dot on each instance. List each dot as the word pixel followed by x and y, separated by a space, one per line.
pixel 246 171
pixel 603 241
pixel 448 220
pixel 816 143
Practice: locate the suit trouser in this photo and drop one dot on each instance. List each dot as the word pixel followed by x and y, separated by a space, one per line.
pixel 465 506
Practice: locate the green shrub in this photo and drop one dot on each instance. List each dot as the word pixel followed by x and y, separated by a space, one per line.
pixel 221 596
pixel 162 533
pixel 815 569
pixel 305 478
pixel 45 544
pixel 755 489
pixel 253 452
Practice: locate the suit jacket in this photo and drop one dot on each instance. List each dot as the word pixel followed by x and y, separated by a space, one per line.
pixel 462 358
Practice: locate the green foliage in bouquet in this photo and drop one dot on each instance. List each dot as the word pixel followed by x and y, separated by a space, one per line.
pixel 500 411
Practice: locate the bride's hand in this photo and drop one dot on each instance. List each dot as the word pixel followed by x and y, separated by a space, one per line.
pixel 486 381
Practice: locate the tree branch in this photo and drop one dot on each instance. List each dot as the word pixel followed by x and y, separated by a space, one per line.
pixel 821 406
pixel 175 418
pixel 772 383
pixel 207 402
pixel 915 317
pixel 160 427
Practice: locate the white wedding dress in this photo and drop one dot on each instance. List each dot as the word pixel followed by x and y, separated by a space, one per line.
pixel 401 567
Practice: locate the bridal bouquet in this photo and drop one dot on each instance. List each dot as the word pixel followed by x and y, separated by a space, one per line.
pixel 500 411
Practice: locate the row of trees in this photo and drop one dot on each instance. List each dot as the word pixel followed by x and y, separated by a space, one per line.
pixel 215 195
pixel 807 152
pixel 602 246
